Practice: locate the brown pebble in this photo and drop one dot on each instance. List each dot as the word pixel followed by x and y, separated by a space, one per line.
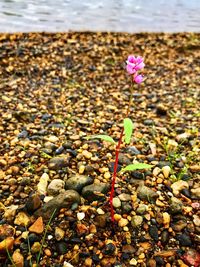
pixel 37 227
pixel 6 244
pixel 18 258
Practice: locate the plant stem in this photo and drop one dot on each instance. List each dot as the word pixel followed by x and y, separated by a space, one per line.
pixel 117 159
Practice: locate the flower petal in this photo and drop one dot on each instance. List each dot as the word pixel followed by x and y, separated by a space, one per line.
pixel 130 68
pixel 138 78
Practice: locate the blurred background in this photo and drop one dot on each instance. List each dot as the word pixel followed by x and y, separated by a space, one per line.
pixel 100 15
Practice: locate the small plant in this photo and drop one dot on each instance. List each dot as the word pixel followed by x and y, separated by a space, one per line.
pixel 133 65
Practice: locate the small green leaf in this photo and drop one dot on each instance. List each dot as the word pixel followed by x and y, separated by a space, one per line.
pixel 136 166
pixel 103 137
pixel 128 129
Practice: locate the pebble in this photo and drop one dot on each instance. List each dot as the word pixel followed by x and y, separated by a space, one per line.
pixel 166 171
pixel 184 240
pixel 37 227
pixel 35 247
pixel 116 202
pixel 95 191
pixel 59 162
pixel 78 182
pixel 43 183
pixel 196 220
pixel 6 244
pixel 196 192
pixel 146 193
pixel 136 221
pixel 153 231
pixel 52 139
pixel 166 219
pixel 80 216
pixel 176 205
pixel 55 187
pixel 179 186
pixel 142 208
pixel 22 219
pixel 59 233
pixel 133 262
pixel 67 264
pixel 123 222
pixel 87 154
pixel 18 258
pixel 192 257
pixel 63 200
pixel 164 237
pixel 124 197
pixel 33 202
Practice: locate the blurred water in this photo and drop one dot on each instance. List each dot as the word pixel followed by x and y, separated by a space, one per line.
pixel 100 15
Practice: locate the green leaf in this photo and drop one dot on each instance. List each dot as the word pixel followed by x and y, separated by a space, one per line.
pixel 128 129
pixel 103 137
pixel 136 166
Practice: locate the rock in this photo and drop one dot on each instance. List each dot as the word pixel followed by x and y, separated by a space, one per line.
pixel 124 160
pixel 95 191
pixel 153 231
pixel 35 247
pixel 124 197
pixel 133 262
pixel 6 230
pixel 33 203
pixel 196 220
pixel 52 139
pixel 142 208
pixel 37 227
pixel 22 219
pixel 132 150
pixel 126 207
pixel 122 222
pixel 196 192
pixel 136 221
pixel 109 249
pixel 166 171
pixel 176 205
pixel 6 244
pixel 80 216
pixel 166 219
pixel 179 225
pixel 67 264
pixel 179 186
pixel 192 257
pixel 161 110
pixel 116 202
pixel 18 258
pixel 146 193
pixel 42 185
pixel 77 182
pixel 55 187
pixel 148 122
pixel 59 233
pixel 100 220
pixel 151 263
pixel 63 200
pixel 184 240
pixel 58 163
pixel 165 237
pixel 194 168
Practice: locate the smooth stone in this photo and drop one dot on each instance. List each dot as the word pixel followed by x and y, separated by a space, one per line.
pixel 123 222
pixel 126 207
pixel 33 202
pixel 136 221
pixel 35 247
pixel 123 159
pixel 176 205
pixel 184 240
pixel 146 193
pixel 116 202
pixel 137 175
pixel 58 163
pixel 63 200
pixel 132 150
pixel 77 182
pixel 6 244
pixel 22 219
pixel 179 225
pixel 179 186
pixel 164 237
pixel 153 231
pixel 124 197
pixel 6 230
pixel 100 220
pixel 109 249
pixel 18 258
pixel 142 208
pixel 43 183
pixel 95 191
pixel 166 171
pixel 196 220
pixel 80 216
pixel 59 233
pixel 148 122
pixel 192 257
pixel 61 247
pixel 55 187
pixel 111 167
pixel 196 192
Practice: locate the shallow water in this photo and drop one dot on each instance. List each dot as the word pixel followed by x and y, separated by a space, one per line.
pixel 100 15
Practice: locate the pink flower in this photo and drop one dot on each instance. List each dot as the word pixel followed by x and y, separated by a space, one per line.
pixel 134 64
pixel 138 78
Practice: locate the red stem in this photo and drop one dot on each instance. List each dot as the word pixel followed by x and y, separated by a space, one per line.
pixel 115 175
